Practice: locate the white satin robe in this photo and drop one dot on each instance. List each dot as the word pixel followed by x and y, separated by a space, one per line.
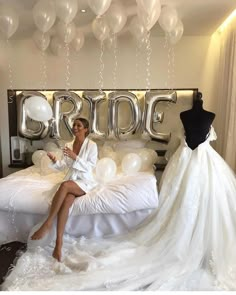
pixel 81 169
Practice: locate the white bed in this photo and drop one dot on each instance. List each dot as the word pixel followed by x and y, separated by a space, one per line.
pixel 112 208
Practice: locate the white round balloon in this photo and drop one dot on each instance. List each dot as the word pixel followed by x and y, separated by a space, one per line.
pixel 9 20
pixel 148 5
pixel 137 29
pixel 176 34
pixel 58 153
pixel 50 147
pixel 105 169
pixel 104 151
pixel 110 42
pixel 78 41
pixel 153 155
pixel 38 108
pixel 115 157
pixel 149 19
pixel 44 15
pixel 100 28
pixel 41 40
pixel 99 7
pixel 45 168
pixel 56 46
pixel 66 10
pixel 131 163
pixel 66 32
pixel 147 159
pixel 168 18
pixel 116 17
pixel 36 157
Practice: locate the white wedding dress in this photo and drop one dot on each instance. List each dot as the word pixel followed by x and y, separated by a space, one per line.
pixel 189 243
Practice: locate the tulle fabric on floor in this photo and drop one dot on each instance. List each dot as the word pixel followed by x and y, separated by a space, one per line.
pixel 187 244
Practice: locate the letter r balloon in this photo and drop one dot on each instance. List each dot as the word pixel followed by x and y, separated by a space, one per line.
pixel 59 98
pixel 94 99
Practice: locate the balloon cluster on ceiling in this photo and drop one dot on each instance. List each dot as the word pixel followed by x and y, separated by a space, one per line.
pixel 111 18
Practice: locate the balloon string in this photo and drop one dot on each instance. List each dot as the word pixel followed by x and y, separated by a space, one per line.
pixel 137 61
pixel 10 72
pixel 171 64
pixel 43 67
pixel 169 84
pixel 68 62
pixel 148 61
pixel 115 61
pixel 101 66
pixel 173 67
pixel 165 48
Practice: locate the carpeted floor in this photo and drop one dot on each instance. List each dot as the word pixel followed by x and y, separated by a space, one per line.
pixel 8 256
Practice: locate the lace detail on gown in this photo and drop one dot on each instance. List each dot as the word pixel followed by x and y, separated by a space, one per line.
pixel 212 134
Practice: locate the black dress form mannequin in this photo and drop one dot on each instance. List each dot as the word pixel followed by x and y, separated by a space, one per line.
pixel 196 122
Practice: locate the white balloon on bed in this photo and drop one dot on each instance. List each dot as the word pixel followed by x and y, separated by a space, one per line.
pixel 45 168
pixel 131 163
pixel 115 157
pixel 36 157
pixel 58 153
pixel 105 169
pixel 104 151
pixel 147 159
pixel 50 146
pixel 54 149
pixel 153 155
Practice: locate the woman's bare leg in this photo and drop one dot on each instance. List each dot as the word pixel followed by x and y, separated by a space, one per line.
pixel 62 217
pixel 67 187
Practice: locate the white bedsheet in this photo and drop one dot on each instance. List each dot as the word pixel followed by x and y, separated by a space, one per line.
pixel 112 208
pixel 28 192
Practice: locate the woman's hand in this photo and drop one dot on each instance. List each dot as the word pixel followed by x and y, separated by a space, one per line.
pixel 52 157
pixel 69 153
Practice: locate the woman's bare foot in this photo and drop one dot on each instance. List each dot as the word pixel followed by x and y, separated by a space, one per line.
pixel 40 233
pixel 57 252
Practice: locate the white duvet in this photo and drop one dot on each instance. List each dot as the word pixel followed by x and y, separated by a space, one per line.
pixel 27 191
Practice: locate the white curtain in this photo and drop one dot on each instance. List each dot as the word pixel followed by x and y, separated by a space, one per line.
pixel 225 122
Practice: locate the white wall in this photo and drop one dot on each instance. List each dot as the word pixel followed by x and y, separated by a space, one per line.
pixel 189 66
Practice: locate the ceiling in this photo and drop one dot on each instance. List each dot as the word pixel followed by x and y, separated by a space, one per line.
pixel 200 17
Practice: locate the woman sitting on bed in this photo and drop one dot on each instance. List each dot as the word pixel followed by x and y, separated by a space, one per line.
pixel 80 157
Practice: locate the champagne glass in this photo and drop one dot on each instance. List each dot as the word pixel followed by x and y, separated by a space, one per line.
pixel 62 145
